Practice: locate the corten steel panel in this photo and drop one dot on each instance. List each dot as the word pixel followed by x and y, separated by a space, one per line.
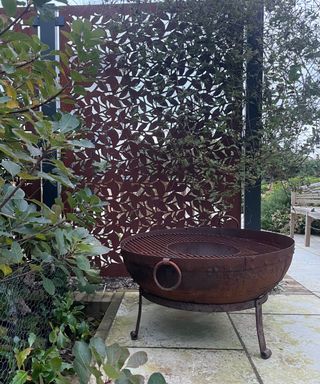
pixel 127 118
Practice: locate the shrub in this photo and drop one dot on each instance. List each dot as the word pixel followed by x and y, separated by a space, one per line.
pixel 275 207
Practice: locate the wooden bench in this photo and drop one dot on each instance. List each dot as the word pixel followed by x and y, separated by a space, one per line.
pixel 306 202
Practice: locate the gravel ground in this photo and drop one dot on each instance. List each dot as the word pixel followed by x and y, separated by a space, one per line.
pixel 118 284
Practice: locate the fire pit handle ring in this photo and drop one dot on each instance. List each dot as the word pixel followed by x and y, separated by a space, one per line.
pixel 169 263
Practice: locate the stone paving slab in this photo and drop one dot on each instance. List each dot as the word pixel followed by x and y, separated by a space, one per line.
pixel 171 328
pixel 294 341
pixel 309 277
pixel 292 304
pixel 290 286
pixel 305 266
pixel 185 366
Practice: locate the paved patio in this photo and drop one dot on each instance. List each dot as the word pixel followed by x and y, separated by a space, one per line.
pixel 220 348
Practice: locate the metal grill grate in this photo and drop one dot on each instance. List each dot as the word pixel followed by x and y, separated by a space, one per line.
pixel 190 243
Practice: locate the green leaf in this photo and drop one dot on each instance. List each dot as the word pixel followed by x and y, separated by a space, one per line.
pixel 111 371
pixel 56 363
pixel 53 336
pixel 156 378
pixel 294 72
pixel 113 354
pixel 27 176
pixel 20 377
pixel 82 361
pixel 137 359
pixel 62 340
pixel 67 123
pixel 31 339
pixel 60 242
pixel 21 356
pixel 11 167
pixel 12 256
pixel 56 179
pixel 83 263
pixel 10 7
pixel 123 379
pixel 4 99
pixel 14 154
pixel 27 136
pixel 48 285
pixel 82 143
pixel 97 374
pixel 9 69
pixel 99 349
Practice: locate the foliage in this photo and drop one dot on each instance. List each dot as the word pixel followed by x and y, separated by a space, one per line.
pixel 291 95
pixel 39 363
pixel 275 209
pixel 311 167
pixel 179 69
pixel 110 364
pixel 50 241
pixel 276 202
pixel 41 246
pixel 45 239
pixel 68 323
pixel 182 66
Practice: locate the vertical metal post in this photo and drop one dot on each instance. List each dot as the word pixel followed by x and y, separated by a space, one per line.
pixel 47 33
pixel 252 194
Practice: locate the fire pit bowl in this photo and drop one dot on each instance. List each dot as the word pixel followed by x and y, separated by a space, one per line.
pixel 208 269
pixel 207 266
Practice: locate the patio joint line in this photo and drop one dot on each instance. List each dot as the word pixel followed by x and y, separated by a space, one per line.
pixel 187 348
pixel 254 368
pixel 277 314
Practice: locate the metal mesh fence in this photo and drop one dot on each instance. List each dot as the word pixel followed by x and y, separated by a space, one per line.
pixel 24 308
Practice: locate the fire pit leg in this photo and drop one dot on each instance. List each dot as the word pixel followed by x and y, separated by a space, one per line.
pixel 134 334
pixel 264 351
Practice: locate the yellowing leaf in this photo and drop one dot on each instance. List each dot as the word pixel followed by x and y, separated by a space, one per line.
pixel 6 270
pixel 27 176
pixel 11 92
pixel 21 356
pixel 12 104
pixel 30 86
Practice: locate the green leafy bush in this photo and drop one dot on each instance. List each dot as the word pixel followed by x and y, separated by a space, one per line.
pixel 275 209
pixel 71 350
pixel 276 202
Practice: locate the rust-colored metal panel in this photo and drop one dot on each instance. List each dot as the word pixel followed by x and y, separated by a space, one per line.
pixel 127 119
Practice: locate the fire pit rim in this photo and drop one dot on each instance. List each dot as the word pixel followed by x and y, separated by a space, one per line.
pixel 210 232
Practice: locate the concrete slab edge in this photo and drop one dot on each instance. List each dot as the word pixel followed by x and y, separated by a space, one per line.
pixel 109 316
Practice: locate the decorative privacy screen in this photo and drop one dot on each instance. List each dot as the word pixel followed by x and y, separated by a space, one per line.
pixel 171 78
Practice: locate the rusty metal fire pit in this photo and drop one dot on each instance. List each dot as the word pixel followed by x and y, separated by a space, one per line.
pixel 208 269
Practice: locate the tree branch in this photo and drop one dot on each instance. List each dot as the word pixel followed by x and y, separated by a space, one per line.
pixel 16 19
pixel 22 110
pixel 24 64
